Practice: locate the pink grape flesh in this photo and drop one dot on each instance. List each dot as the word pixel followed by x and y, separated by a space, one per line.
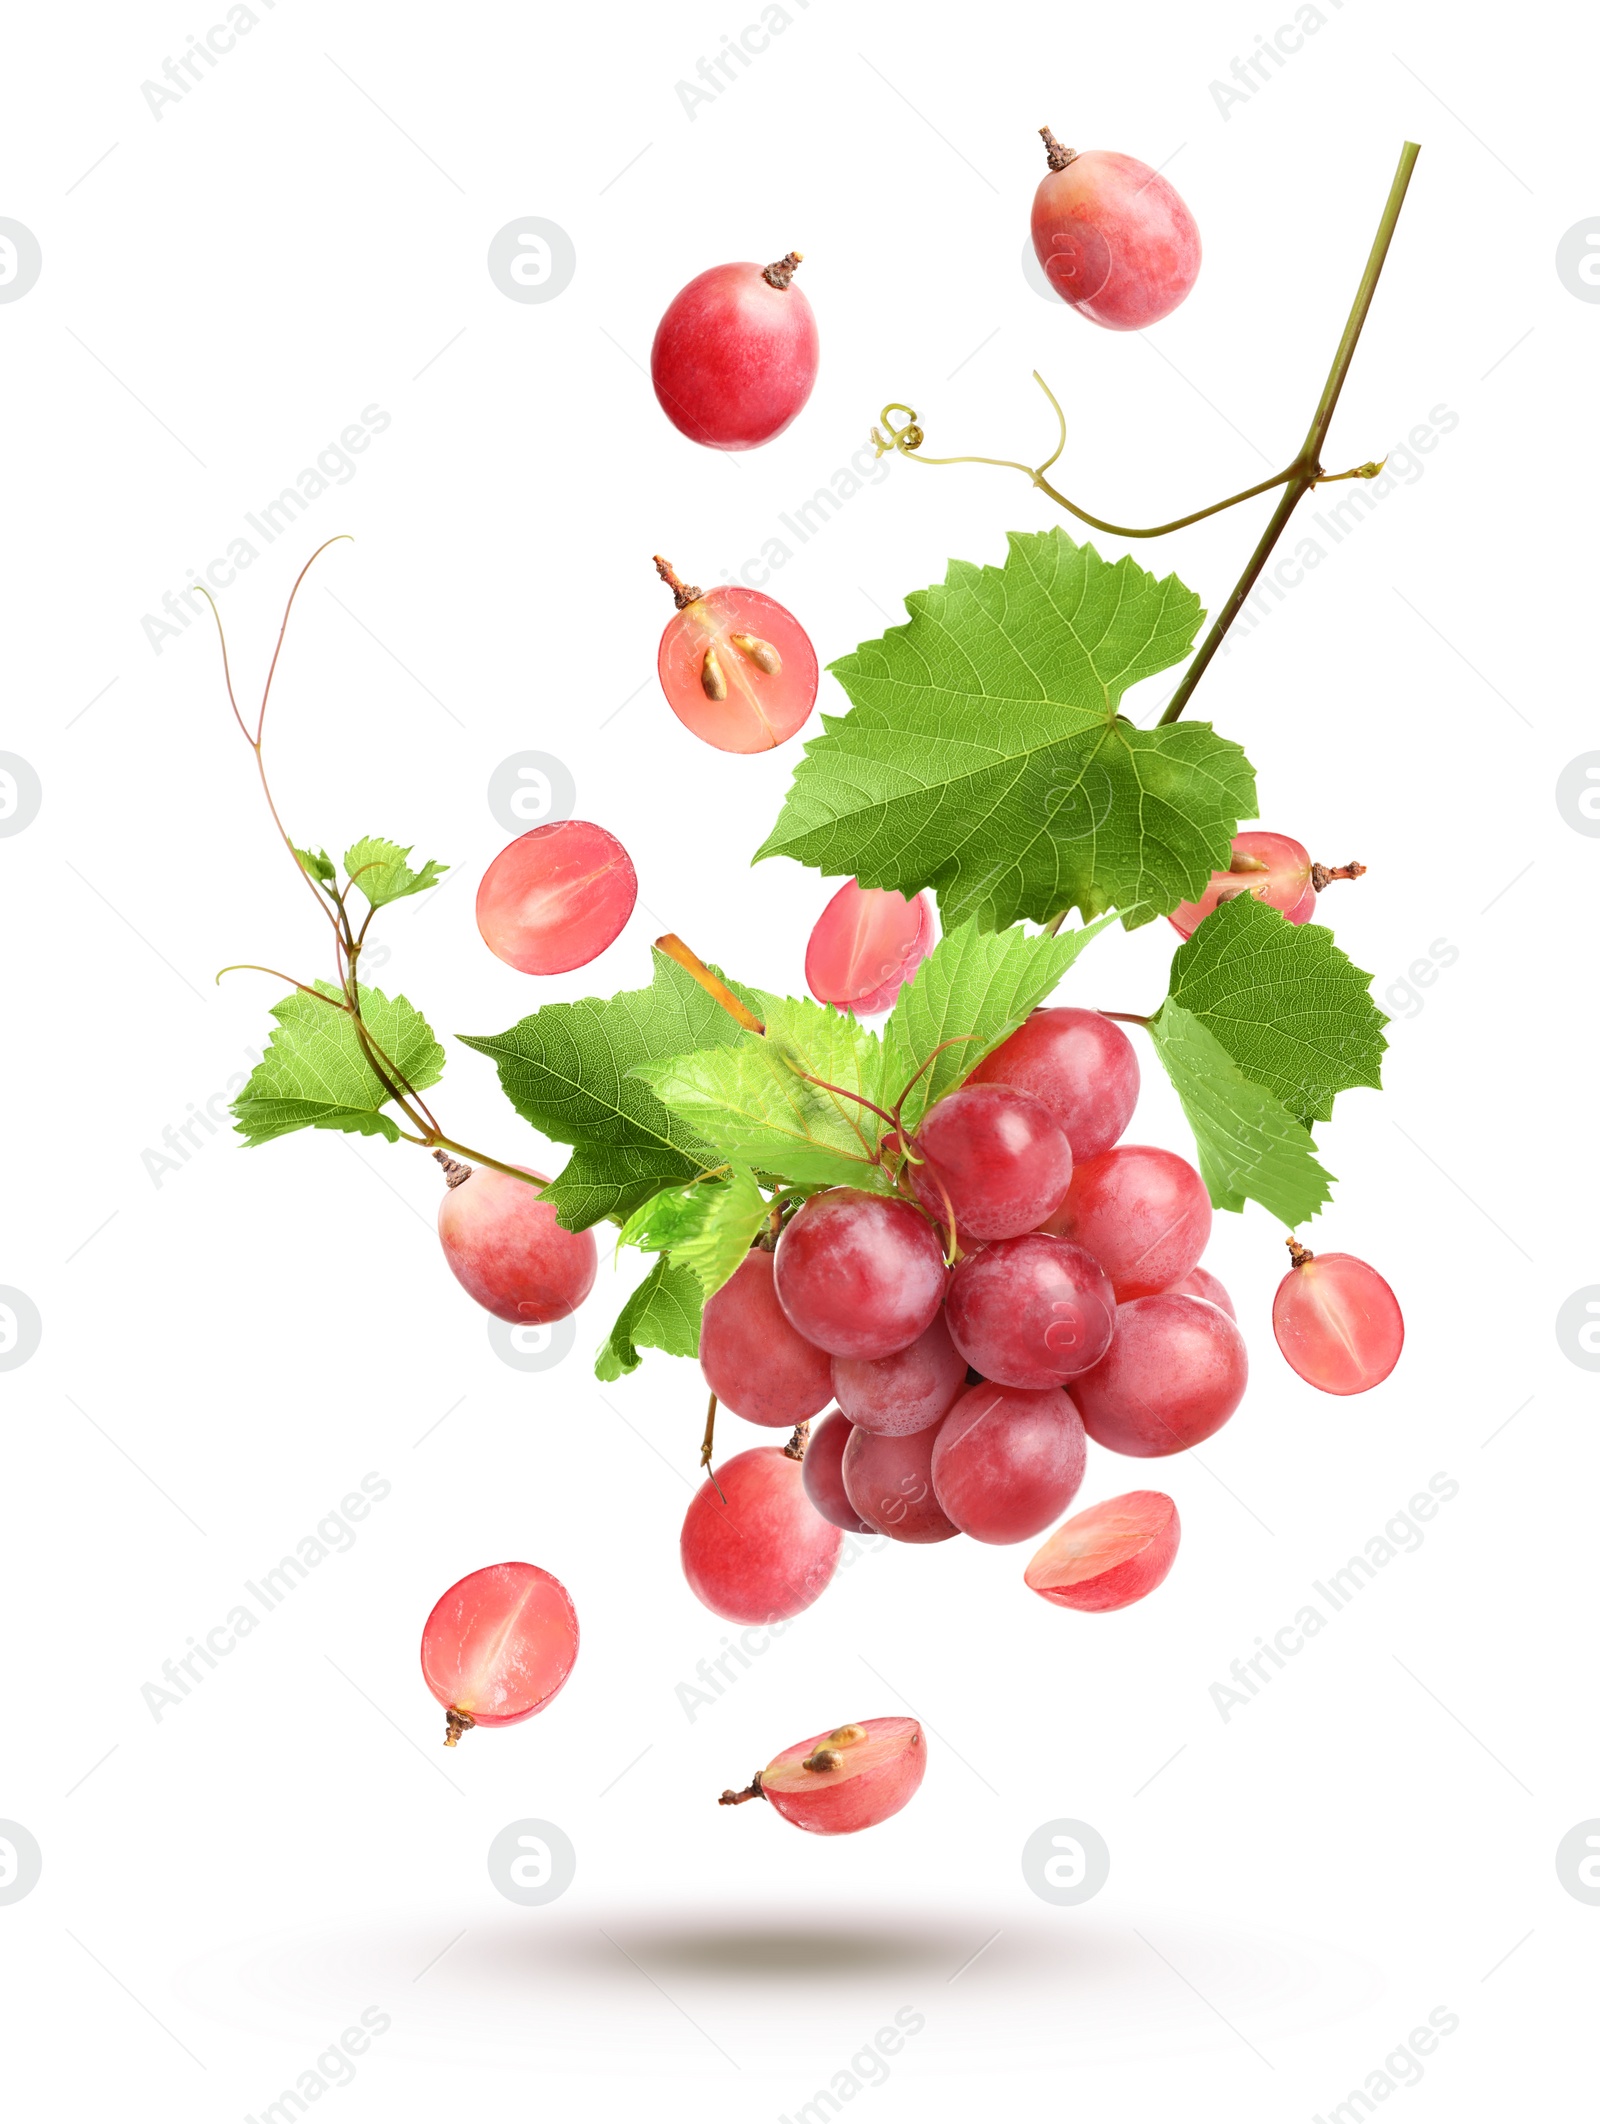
pixel 879 1765
pixel 506 1249
pixel 759 709
pixel 500 1644
pixel 1109 1556
pixel 556 897
pixel 866 945
pixel 1175 1372
pixel 1080 1064
pixel 1270 867
pixel 752 1359
pixel 1008 1462
pixel 1338 1323
pixel 761 1551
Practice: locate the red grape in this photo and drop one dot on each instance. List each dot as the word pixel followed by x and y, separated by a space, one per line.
pixel 866 945
pixel 890 1483
pixel 759 1552
pixel 1200 1283
pixel 736 667
pixel 1008 1462
pixel 995 1156
pixel 735 355
pixel 859 1275
pixel 1268 866
pixel 1079 1064
pixel 906 1392
pixel 505 1247
pixel 1030 1312
pixel 752 1359
pixel 556 897
pixel 1175 1372
pixel 849 1779
pixel 1113 237
pixel 1109 1556
pixel 1337 1322
pixel 498 1646
pixel 823 1479
pixel 1143 1213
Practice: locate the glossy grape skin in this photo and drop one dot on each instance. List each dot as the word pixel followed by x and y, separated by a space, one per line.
pixel 822 1477
pixel 1001 1157
pixel 752 1359
pixel 499 1645
pixel 1268 866
pixel 734 358
pixel 1030 1312
pixel 1080 1065
pixel 1115 240
pixel 759 708
pixel 1109 1556
pixel 1200 1283
pixel 506 1249
pixel 556 897
pixel 859 1275
pixel 1338 1324
pixel 1143 1213
pixel 1007 1462
pixel 1174 1374
pixel 890 1483
pixel 880 1763
pixel 894 1396
pixel 761 1551
pixel 865 946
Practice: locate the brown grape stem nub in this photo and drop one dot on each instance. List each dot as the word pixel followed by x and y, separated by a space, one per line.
pixel 781 271
pixel 455 1724
pixel 1298 1255
pixel 682 593
pixel 1059 156
pixel 796 1448
pixel 1322 875
pixel 454 1173
pixel 751 1791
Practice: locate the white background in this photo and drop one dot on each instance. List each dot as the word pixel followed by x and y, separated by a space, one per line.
pixel 304 235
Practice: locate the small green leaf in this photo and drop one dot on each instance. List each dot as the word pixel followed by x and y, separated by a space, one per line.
pixel 315 1075
pixel 975 982
pixel 1285 1003
pixel 752 1101
pixel 984 754
pixel 662 1314
pixel 379 869
pixel 567 1069
pixel 1249 1144
pixel 318 864
pixel 706 1227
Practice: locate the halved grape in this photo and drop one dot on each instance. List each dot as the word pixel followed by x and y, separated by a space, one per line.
pixel 1080 1064
pixel 866 945
pixel 1143 1213
pixel 994 1156
pixel 752 1359
pixel 1270 867
pixel 1175 1372
pixel 760 1551
pixel 859 1275
pixel 1337 1322
pixel 890 1483
pixel 1007 1462
pixel 498 1646
pixel 849 1779
pixel 1109 1556
pixel 896 1395
pixel 737 668
pixel 556 897
pixel 1030 1312
pixel 505 1247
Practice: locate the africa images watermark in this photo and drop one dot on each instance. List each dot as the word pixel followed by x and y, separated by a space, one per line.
pixel 181 75
pixel 334 2068
pixel 808 517
pixel 1401 1536
pixel 1403 2067
pixel 715 1676
pixel 333 1535
pixel 718 73
pixel 1270 56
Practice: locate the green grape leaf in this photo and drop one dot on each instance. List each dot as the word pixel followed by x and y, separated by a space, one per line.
pixel 750 1100
pixel 706 1227
pixel 1284 1002
pixel 379 869
pixel 568 1070
pixel 663 1314
pixel 973 982
pixel 983 755
pixel 315 1075
pixel 316 863
pixel 1249 1144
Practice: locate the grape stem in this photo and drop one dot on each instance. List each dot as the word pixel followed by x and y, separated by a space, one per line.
pixel 1298 1255
pixel 1296 479
pixel 751 1791
pixel 705 1446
